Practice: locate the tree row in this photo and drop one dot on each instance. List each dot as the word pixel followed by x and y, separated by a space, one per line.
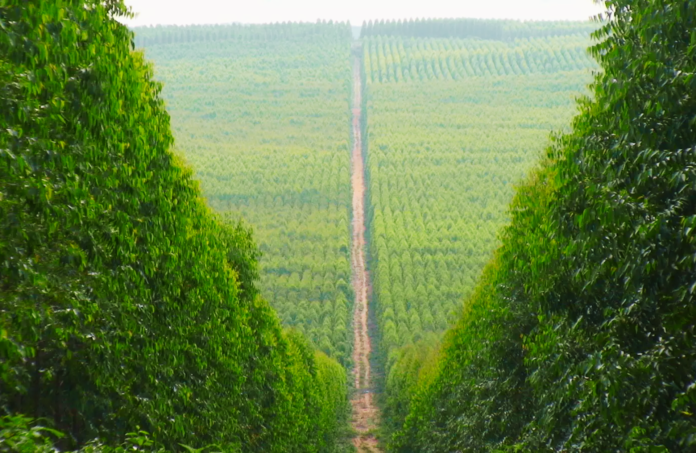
pixel 395 59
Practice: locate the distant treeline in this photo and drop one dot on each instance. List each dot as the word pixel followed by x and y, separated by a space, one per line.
pixel 174 34
pixel 474 28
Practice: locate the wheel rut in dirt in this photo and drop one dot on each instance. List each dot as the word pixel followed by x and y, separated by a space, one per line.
pixel 365 415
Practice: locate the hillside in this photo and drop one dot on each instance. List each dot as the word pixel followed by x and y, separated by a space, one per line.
pixel 452 126
pixel 262 113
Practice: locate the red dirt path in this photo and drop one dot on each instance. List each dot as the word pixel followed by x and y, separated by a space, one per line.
pixel 365 414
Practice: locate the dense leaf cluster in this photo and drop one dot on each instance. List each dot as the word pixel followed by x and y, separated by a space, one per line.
pixel 444 154
pixel 124 302
pixel 266 127
pixel 487 29
pixel 581 333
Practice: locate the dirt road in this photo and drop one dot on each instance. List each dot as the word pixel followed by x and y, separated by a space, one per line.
pixel 365 414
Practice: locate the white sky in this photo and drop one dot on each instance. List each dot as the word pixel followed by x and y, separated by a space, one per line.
pixel 182 12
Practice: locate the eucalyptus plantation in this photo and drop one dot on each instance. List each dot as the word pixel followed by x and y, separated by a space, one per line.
pixel 524 290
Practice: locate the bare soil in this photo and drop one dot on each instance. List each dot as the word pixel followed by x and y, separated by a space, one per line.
pixel 365 414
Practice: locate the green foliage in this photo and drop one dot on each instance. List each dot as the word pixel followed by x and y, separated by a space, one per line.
pixel 124 303
pixel 580 335
pixel 19 435
pixel 265 124
pixel 412 366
